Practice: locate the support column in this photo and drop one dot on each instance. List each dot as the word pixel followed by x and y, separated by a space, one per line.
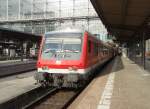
pixel 45 9
pixel 143 50
pixel 21 45
pixel 88 8
pixel 32 27
pixel 141 53
pixel 128 49
pixel 45 27
pixel 73 22
pixel 88 23
pixel 8 56
pixel 59 8
pixel 7 10
pixel 73 8
pixel 19 10
pixel 32 9
pixel 134 50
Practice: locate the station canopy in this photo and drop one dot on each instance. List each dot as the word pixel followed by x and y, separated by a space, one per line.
pixel 18 35
pixel 126 19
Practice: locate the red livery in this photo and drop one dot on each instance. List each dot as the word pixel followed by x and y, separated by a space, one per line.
pixel 69 58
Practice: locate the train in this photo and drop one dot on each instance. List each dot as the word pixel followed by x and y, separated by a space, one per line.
pixel 68 58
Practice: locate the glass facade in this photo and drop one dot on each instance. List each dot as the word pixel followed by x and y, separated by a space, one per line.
pixel 40 16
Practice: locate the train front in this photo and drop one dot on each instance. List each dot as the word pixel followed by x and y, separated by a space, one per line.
pixel 60 61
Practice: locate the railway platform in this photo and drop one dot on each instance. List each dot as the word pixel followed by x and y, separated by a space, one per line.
pixel 125 86
pixel 15 62
pixel 15 87
pixel 11 61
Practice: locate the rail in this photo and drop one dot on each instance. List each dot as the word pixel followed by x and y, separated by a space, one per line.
pixel 56 98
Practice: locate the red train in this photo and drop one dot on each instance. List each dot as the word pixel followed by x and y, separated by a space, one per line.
pixel 69 58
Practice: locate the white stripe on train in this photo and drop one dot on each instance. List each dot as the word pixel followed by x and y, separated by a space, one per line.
pixel 66 71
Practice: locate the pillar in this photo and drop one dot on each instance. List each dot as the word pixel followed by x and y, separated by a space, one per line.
pixel 143 50
pixel 21 45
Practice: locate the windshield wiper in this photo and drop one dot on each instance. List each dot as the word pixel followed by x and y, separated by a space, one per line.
pixel 47 50
pixel 50 50
pixel 74 51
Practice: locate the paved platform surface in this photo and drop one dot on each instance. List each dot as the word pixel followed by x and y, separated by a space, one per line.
pixel 131 87
pixel 10 61
pixel 138 60
pixel 14 87
pixel 18 76
pixel 125 86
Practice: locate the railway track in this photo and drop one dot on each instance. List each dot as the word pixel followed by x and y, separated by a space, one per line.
pixel 55 99
pixel 25 99
pixel 8 69
pixel 44 98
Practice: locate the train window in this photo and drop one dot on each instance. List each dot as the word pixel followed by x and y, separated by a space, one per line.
pixel 73 44
pixel 107 50
pixel 89 46
pixel 62 47
pixel 95 49
pixel 100 48
pixel 104 50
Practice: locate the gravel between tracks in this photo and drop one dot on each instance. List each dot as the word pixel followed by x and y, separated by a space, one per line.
pixel 57 100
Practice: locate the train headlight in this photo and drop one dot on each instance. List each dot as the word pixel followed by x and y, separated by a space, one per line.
pixel 45 68
pixel 74 68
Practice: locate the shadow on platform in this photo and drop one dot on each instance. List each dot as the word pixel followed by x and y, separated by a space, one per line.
pixel 139 62
pixel 108 67
pixel 119 65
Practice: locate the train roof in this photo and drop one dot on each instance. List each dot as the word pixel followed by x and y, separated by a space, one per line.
pixel 68 30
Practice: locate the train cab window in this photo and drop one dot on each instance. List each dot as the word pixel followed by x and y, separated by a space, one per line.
pixel 64 46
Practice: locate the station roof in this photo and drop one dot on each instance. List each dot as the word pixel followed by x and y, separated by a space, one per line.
pixel 124 18
pixel 13 34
